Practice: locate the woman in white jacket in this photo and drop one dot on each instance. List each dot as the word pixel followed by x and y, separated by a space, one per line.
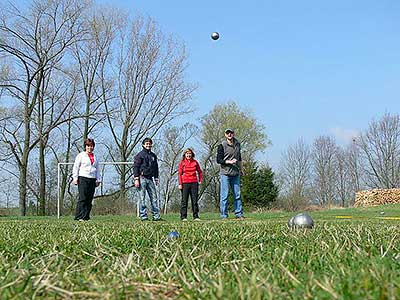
pixel 86 174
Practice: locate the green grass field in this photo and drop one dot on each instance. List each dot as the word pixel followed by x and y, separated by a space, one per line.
pixel 120 257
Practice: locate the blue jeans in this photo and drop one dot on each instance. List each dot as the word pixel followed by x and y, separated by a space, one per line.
pixel 148 186
pixel 234 183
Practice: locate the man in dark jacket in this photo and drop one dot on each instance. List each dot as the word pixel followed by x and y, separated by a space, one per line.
pixel 145 169
pixel 230 160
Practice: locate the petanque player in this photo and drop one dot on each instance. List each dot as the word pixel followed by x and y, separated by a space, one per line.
pixel 190 176
pixel 86 174
pixel 145 171
pixel 230 160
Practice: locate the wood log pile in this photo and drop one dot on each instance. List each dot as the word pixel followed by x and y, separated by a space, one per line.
pixel 377 197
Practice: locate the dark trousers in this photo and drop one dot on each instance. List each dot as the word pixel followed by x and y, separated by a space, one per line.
pixel 86 187
pixel 191 189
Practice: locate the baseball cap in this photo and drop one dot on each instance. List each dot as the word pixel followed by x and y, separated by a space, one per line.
pixel 229 130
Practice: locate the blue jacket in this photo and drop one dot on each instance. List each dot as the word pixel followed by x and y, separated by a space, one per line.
pixel 145 164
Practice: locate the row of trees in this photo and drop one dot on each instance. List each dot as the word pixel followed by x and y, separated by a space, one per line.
pixel 258 185
pixel 326 174
pixel 71 69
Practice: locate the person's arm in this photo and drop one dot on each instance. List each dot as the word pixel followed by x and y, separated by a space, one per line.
pixel 75 169
pixel 239 162
pixel 137 162
pixel 98 173
pixel 220 155
pixel 155 167
pixel 156 179
pixel 180 171
pixel 199 172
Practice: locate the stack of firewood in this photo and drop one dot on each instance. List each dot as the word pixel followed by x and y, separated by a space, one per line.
pixel 377 197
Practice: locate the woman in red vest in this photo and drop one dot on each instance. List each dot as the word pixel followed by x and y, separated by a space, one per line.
pixel 189 178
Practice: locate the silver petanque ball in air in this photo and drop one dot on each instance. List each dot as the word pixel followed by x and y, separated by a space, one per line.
pixel 302 220
pixel 215 36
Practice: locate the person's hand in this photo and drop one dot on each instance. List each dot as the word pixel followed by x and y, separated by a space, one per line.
pixel 137 182
pixel 180 186
pixel 199 182
pixel 75 181
pixel 231 161
pixel 157 181
pixel 97 183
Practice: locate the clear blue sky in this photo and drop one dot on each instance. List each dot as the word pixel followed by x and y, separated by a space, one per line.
pixel 305 68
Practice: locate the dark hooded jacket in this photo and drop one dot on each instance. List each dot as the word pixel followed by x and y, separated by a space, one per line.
pixel 145 164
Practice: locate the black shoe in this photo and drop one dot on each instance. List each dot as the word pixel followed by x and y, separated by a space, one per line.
pixel 240 217
pixel 158 220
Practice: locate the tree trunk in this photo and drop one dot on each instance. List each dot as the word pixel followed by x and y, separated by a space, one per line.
pixel 23 165
pixel 22 189
pixel 64 177
pixel 42 183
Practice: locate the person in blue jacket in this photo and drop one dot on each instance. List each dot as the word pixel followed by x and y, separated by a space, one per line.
pixel 145 172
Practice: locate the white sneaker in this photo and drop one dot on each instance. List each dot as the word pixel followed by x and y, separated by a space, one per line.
pixel 184 220
pixel 196 219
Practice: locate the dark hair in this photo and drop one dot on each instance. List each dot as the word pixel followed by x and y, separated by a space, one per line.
pixel 147 140
pixel 89 142
pixel 187 150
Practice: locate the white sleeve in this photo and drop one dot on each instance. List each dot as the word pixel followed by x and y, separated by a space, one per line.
pixel 98 173
pixel 75 169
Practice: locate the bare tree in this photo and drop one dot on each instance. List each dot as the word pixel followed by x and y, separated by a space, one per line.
pixel 380 149
pixel 354 166
pixel 295 174
pixel 31 42
pixel 324 156
pixel 151 89
pixel 174 141
pixel 344 187
pixel 7 188
pixel 93 54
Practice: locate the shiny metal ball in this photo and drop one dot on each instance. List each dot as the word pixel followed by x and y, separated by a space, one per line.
pixel 173 235
pixel 302 220
pixel 215 36
pixel 290 223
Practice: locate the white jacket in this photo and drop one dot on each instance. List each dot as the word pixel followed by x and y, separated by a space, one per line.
pixel 83 167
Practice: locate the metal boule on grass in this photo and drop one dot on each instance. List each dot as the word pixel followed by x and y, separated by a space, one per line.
pixel 302 220
pixel 173 235
pixel 290 222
